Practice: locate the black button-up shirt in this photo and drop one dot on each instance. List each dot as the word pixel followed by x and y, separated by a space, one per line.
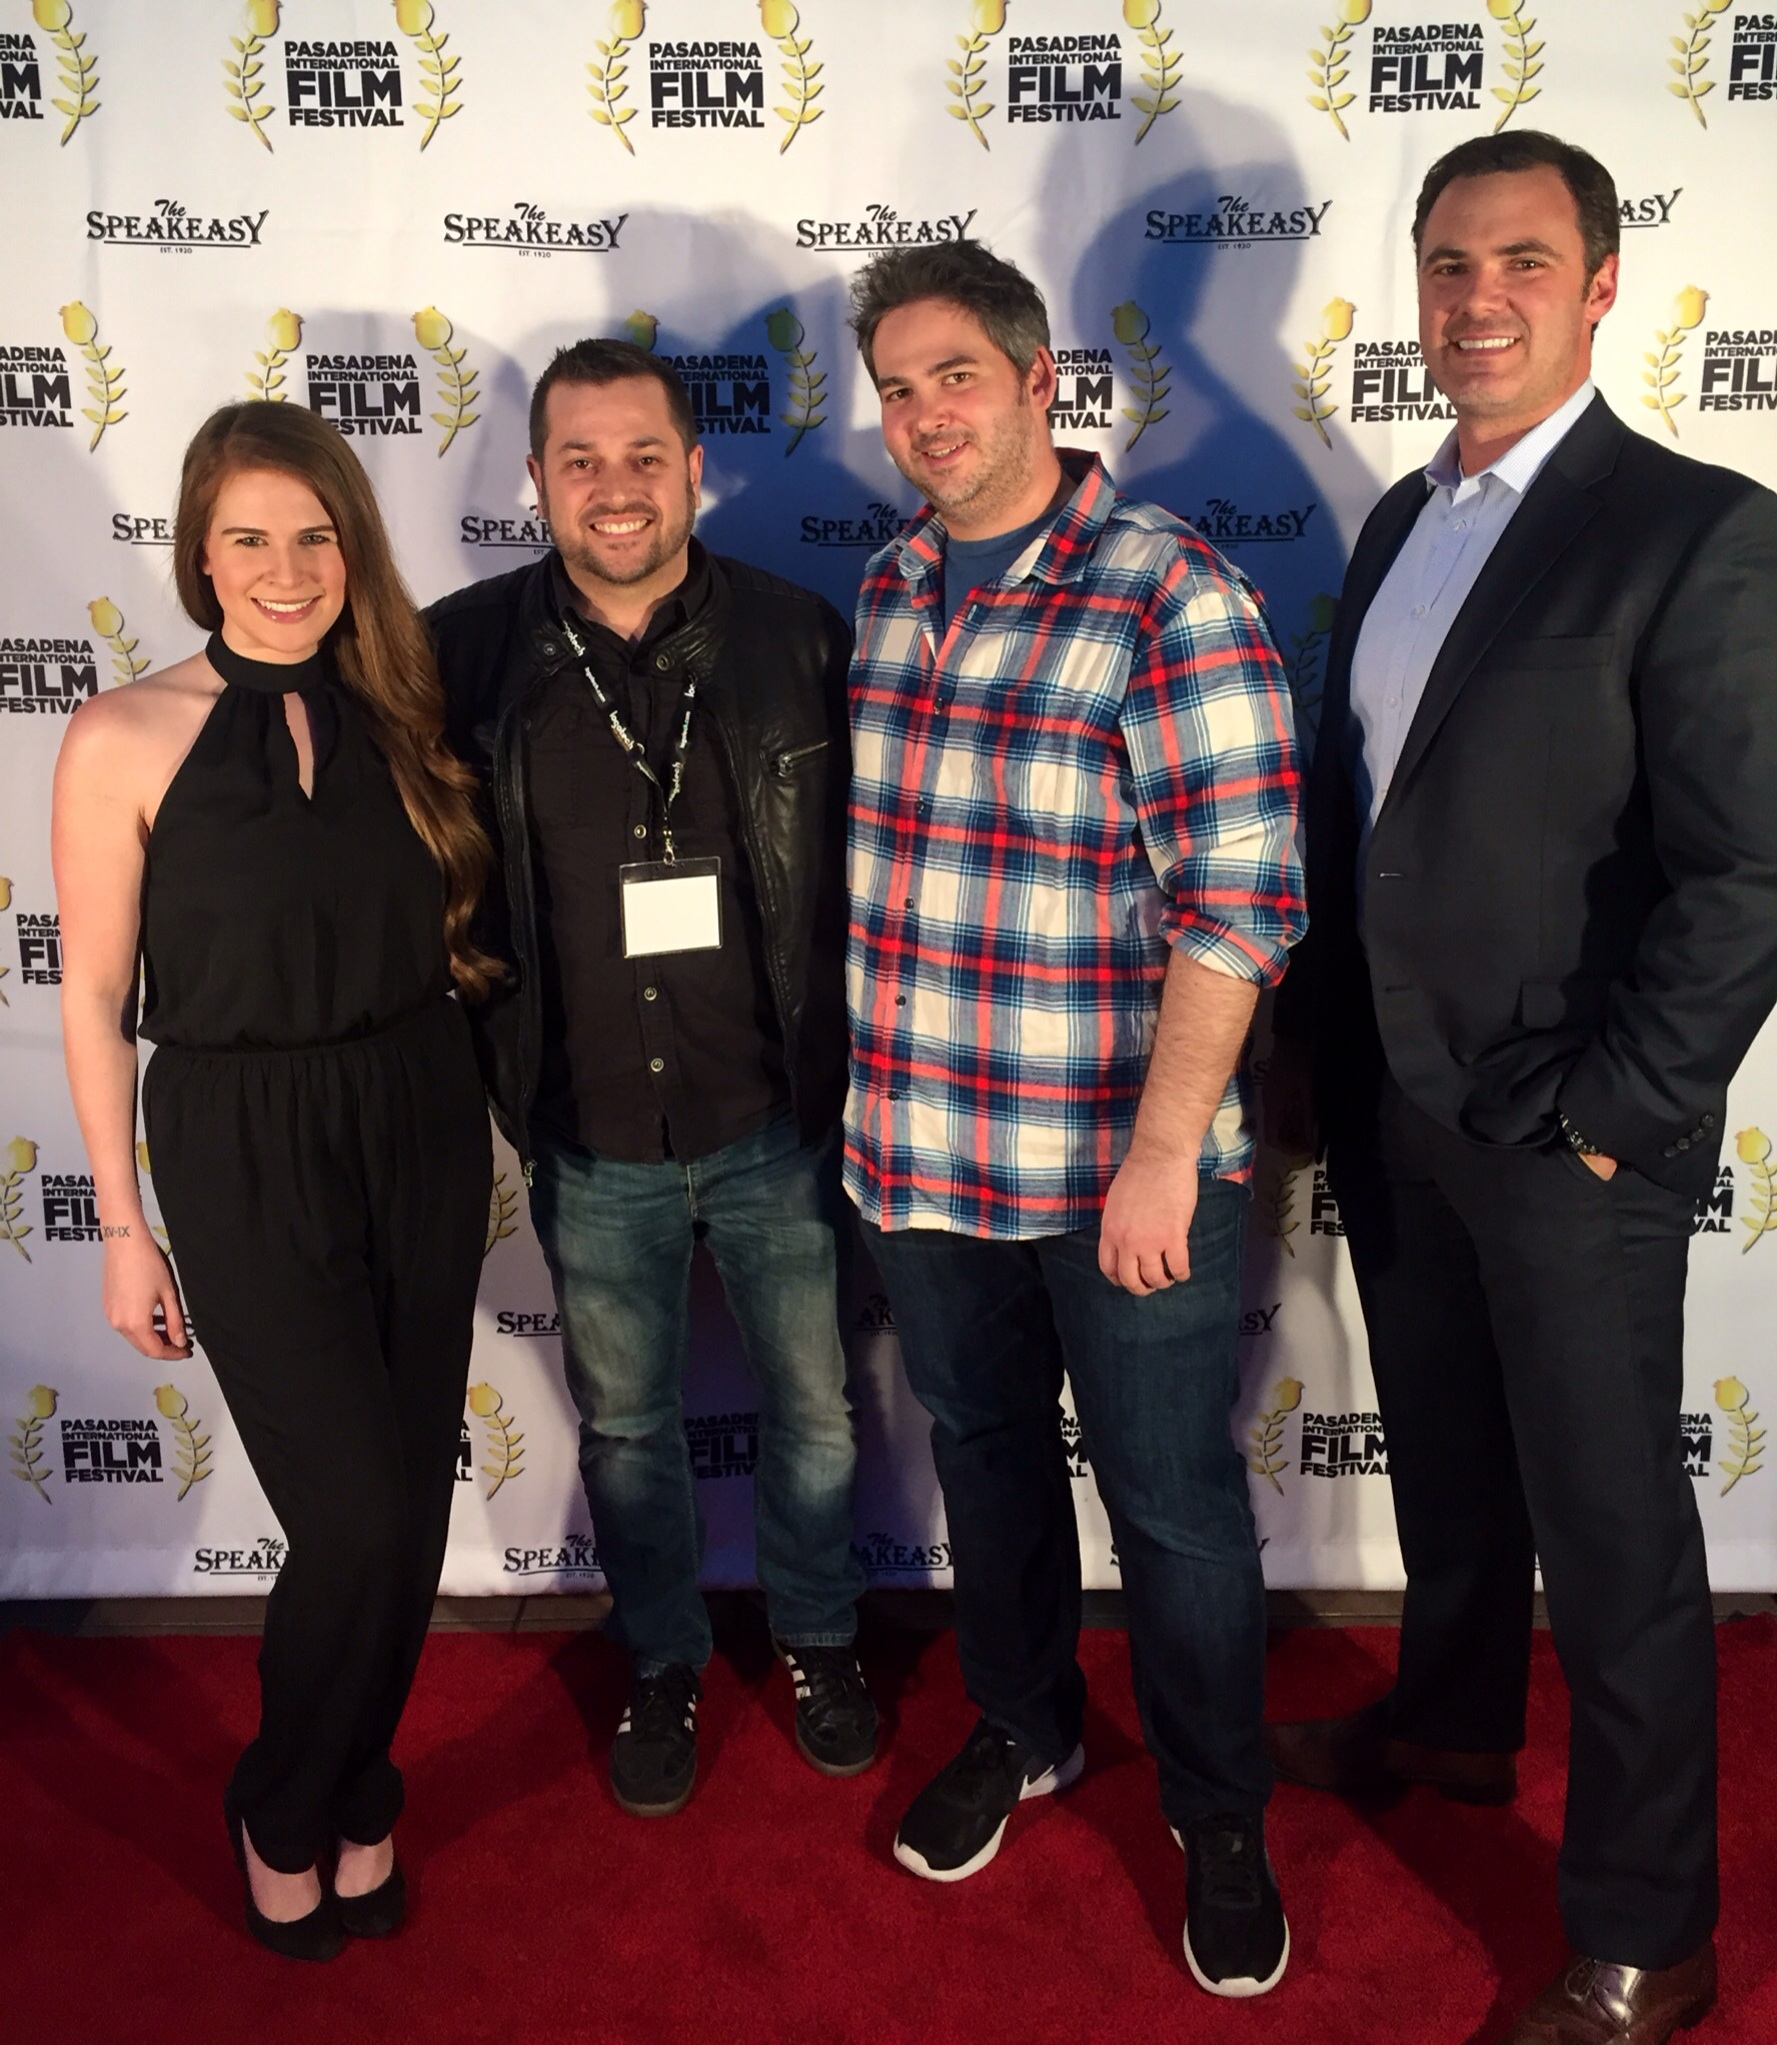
pixel 679 1054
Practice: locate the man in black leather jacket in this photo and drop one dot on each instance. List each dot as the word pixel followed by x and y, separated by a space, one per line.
pixel 661 735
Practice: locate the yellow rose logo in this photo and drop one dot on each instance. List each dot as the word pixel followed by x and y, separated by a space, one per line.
pixel 607 85
pixel 1267 1459
pixel 1329 67
pixel 1141 13
pixel 108 624
pixel 5 892
pixel 1521 62
pixel 1160 67
pixel 439 80
pixel 1746 1439
pixel 778 18
pixel 1315 376
pixel 1148 373
pixel 243 75
pixel 640 329
pixel 28 1463
pixel 505 1456
pixel 78 70
pixel 801 78
pixel 106 617
pixel 284 332
pixel 78 324
pixel 51 14
pixel 456 385
pixel 1753 1148
pixel 191 1453
pixel 1662 371
pixel 286 329
pixel 968 79
pixel 1693 57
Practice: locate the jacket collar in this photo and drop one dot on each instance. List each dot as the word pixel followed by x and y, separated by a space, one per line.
pixel 689 646
pixel 1059 554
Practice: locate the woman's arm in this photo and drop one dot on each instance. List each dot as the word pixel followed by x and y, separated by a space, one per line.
pixel 98 835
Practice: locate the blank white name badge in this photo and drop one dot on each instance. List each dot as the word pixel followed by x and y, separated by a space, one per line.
pixel 671 908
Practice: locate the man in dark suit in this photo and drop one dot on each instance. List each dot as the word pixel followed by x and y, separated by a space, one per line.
pixel 1542 860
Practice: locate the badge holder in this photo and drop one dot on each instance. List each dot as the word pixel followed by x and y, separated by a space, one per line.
pixel 670 906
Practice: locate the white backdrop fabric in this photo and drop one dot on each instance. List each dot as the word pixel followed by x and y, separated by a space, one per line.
pixel 394 213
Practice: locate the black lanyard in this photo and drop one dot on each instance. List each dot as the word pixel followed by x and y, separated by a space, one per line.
pixel 667 791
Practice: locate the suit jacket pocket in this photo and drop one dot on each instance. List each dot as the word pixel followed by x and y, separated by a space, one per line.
pixel 1575 1003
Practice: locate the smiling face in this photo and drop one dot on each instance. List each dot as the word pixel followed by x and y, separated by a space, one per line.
pixel 618 486
pixel 274 561
pixel 1506 310
pixel 960 421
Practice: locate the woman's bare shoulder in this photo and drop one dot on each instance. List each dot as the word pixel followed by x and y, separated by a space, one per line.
pixel 142 721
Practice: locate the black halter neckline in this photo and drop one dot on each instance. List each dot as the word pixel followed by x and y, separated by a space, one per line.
pixel 268 677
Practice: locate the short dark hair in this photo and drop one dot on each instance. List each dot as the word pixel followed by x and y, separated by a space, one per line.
pixel 600 362
pixel 1594 189
pixel 965 273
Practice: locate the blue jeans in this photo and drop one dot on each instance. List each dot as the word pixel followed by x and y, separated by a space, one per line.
pixel 987 1329
pixel 618 1239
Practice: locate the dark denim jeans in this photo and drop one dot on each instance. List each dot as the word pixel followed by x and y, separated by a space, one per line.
pixel 618 1239
pixel 987 1328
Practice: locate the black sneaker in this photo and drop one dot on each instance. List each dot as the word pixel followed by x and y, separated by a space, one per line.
pixel 835 1716
pixel 954 1826
pixel 654 1756
pixel 1237 1941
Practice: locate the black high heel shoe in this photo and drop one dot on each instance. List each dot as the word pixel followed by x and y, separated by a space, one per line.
pixel 317 1936
pixel 379 1912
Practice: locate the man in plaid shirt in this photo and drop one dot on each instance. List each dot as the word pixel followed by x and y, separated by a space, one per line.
pixel 1072 868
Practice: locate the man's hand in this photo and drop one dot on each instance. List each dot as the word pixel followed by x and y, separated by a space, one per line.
pixel 1605 1167
pixel 1144 1240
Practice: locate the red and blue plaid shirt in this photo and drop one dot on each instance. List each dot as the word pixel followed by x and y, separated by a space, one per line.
pixel 1095 762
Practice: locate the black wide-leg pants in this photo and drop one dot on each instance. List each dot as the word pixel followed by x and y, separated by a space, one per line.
pixel 327 1210
pixel 1526 1325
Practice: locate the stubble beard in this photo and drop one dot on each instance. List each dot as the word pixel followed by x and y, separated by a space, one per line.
pixel 1001 476
pixel 583 555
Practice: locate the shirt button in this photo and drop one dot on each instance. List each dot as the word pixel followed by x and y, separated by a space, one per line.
pixel 650 993
pixel 1392 701
pixel 900 1001
pixel 656 1064
pixel 910 901
pixel 639 831
pixel 923 805
pixel 1458 525
pixel 1419 610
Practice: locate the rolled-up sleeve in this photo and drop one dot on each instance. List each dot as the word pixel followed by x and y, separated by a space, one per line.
pixel 1208 728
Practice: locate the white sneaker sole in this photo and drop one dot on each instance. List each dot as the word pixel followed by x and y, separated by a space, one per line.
pixel 1238 1987
pixel 1046 1784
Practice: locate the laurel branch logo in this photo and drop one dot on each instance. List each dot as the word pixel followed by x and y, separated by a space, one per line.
pixel 415 19
pixel 1520 64
pixel 80 71
pixel 284 330
pixel 966 82
pixel 456 385
pixel 785 333
pixel 27 1444
pixel 108 623
pixel 243 74
pixel 1753 1148
pixel 1267 1459
pixel 1327 68
pixel 1307 649
pixel 1274 1196
pixel 1317 372
pixel 781 21
pixel 502 1205
pixel 191 1456
pixel 1662 369
pixel 1147 372
pixel 1693 57
pixel 21 1157
pixel 507 1457
pixel 1745 1436
pixel 1160 67
pixel 628 17
pixel 103 383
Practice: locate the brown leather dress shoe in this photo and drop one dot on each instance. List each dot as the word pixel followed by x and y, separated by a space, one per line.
pixel 1593 2003
pixel 1354 1756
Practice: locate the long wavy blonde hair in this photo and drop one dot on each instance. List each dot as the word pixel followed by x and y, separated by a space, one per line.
pixel 379 644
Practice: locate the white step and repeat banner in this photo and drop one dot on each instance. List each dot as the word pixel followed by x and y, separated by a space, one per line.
pixel 394 213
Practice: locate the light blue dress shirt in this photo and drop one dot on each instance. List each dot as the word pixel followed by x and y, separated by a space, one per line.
pixel 1411 614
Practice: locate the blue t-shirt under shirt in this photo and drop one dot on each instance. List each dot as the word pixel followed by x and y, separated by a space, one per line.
pixel 972 564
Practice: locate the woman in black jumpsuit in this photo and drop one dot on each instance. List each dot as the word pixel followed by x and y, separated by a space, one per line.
pixel 321 1156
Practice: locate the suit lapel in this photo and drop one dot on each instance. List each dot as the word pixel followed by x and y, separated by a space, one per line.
pixel 1556 509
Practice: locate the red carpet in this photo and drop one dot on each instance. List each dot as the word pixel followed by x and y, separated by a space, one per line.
pixel 770 1910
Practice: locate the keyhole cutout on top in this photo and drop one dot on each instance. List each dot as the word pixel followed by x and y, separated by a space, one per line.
pixel 296 716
